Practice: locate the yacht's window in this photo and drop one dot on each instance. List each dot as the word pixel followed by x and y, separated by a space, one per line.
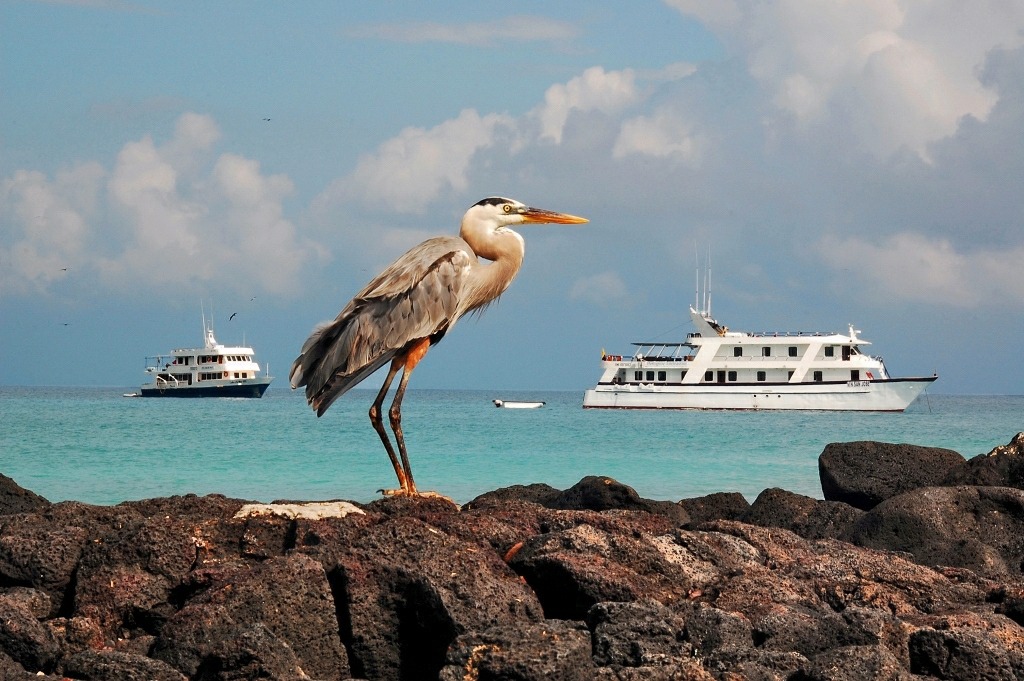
pixel 732 375
pixel 766 351
pixel 650 375
pixel 817 377
pixel 638 375
pixel 761 376
pixel 792 351
pixel 830 351
pixel 737 351
pixel 854 374
pixel 662 376
pixel 682 375
pixel 709 376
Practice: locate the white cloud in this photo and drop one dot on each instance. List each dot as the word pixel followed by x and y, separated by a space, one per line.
pixel 594 90
pixel 605 289
pixel 509 30
pixel 44 225
pixel 160 218
pixel 664 134
pixel 409 171
pixel 888 73
pixel 912 267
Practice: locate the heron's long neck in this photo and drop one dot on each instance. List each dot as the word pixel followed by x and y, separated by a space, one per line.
pixel 489 280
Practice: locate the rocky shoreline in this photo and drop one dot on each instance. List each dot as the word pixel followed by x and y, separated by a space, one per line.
pixel 911 567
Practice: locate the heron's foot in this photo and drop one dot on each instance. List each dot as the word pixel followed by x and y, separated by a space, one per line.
pixel 396 492
pixel 415 493
pixel 436 495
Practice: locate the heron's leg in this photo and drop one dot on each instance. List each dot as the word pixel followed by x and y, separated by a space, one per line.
pixel 378 424
pixel 412 357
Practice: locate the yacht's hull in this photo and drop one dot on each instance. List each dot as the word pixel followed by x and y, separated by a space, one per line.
pixel 250 388
pixel 877 395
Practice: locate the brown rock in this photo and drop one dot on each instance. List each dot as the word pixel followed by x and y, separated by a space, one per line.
pixel 112 665
pixel 638 634
pixel 16 499
pixel 552 650
pixel 572 570
pixel 404 590
pixel 854 663
pixel 284 603
pixel 26 640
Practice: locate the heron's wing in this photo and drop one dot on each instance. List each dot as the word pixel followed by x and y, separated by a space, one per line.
pixel 416 297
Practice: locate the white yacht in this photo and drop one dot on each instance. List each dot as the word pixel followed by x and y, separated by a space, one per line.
pixel 213 370
pixel 716 368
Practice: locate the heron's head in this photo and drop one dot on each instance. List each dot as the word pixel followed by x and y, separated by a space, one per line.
pixel 497 211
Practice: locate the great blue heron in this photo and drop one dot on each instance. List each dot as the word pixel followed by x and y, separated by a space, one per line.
pixel 409 307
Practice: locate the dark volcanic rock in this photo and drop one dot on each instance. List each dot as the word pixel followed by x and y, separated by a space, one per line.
pixel 273 617
pixel 1002 467
pixel 537 493
pixel 863 474
pixel 25 639
pixel 638 634
pixel 809 518
pixel 508 588
pixel 38 552
pixel 709 629
pixel 599 493
pixel 554 649
pixel 125 581
pixel 983 651
pixel 404 590
pixel 574 569
pixel 113 665
pixel 16 499
pixel 979 528
pixel 717 506
pixel 855 663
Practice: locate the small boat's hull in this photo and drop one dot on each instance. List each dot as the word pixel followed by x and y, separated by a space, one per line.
pixel 254 388
pixel 881 395
pixel 517 404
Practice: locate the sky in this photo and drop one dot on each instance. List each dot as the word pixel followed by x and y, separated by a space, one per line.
pixel 841 162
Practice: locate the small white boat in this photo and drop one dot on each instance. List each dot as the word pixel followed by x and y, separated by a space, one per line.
pixel 213 370
pixel 517 404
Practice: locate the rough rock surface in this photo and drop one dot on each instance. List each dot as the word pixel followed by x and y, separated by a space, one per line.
pixel 864 474
pixel 530 582
pixel 1002 467
pixel 809 518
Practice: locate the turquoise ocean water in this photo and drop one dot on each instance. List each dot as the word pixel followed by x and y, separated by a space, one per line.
pixel 95 446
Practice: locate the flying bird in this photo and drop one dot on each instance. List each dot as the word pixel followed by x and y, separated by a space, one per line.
pixel 232 316
pixel 410 306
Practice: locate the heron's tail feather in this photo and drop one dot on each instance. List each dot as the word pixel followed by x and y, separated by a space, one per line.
pixel 336 357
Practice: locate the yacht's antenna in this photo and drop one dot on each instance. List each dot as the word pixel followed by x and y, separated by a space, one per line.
pixel 696 276
pixel 707 284
pixel 202 310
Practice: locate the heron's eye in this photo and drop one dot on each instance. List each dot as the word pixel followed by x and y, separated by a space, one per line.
pixel 507 208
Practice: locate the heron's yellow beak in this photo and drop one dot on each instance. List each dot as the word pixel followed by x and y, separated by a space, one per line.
pixel 539 215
